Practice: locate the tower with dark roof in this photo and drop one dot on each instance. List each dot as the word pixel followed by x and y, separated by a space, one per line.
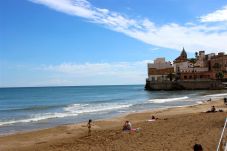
pixel 183 56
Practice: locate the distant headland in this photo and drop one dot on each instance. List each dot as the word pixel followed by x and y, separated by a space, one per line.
pixel 205 71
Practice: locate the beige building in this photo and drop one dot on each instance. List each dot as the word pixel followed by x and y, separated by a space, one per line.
pixel 160 63
pixel 159 70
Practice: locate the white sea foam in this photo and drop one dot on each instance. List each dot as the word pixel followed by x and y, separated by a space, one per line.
pixel 168 100
pixel 38 117
pixel 200 102
pixel 71 110
pixel 89 108
pixel 122 111
pixel 216 95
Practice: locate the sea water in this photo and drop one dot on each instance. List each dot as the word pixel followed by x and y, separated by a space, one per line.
pixel 23 109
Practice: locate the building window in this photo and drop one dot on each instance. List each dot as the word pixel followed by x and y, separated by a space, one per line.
pixel 185 77
pixel 190 77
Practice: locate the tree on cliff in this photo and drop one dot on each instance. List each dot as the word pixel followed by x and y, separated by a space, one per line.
pixel 170 76
pixel 193 61
pixel 219 75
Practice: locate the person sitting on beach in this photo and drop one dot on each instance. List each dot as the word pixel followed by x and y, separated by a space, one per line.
pixel 89 124
pixel 225 101
pixel 198 147
pixel 213 109
pixel 127 126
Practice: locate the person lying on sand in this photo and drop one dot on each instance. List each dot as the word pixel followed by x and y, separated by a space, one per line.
pixel 213 109
pixel 153 118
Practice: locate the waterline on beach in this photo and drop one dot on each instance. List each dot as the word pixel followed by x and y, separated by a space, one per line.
pixel 35 108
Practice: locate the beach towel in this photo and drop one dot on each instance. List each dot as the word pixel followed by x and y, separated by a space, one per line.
pixel 151 120
pixel 135 129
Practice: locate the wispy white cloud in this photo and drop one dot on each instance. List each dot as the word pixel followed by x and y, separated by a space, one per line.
pixel 155 48
pixel 87 69
pixel 78 8
pixel 216 16
pixel 99 73
pixel 192 36
pixel 96 73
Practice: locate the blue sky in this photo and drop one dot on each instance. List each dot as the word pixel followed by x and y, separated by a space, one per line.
pixel 94 42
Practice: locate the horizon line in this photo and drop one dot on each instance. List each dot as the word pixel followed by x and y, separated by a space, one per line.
pixel 69 86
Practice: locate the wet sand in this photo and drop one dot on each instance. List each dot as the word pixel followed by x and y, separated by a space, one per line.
pixel 176 129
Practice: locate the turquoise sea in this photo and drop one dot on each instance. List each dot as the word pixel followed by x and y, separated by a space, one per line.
pixel 23 109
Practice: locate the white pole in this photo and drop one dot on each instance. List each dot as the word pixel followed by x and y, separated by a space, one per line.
pixel 222 135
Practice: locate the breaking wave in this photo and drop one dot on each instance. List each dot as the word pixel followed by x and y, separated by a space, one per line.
pixel 168 100
pixel 38 117
pixel 71 110
pixel 216 95
pixel 89 108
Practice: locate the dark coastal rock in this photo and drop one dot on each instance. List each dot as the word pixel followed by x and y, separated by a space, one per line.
pixel 184 85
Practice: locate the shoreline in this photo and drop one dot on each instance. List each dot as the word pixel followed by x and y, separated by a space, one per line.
pixel 102 119
pixel 44 138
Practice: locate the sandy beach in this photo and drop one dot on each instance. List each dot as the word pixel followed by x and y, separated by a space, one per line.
pixel 176 129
